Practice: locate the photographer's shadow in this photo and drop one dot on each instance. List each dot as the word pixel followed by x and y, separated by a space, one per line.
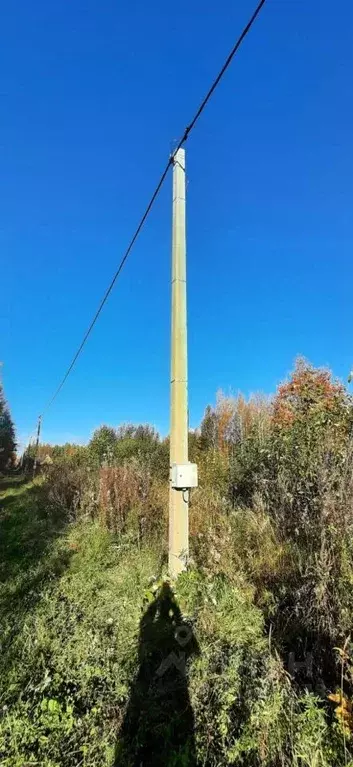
pixel 158 728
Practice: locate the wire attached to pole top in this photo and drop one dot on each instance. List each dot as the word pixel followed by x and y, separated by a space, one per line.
pixel 182 141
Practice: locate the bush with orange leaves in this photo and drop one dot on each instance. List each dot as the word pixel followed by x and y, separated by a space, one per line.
pixel 293 458
pixel 312 393
pixel 307 487
pixel 309 450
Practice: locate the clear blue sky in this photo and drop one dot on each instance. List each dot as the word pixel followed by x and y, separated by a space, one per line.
pixel 93 95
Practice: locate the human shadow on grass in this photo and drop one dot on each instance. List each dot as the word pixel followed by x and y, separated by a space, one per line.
pixel 158 729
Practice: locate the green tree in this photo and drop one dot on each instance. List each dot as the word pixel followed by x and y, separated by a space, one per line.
pixel 102 445
pixel 7 434
pixel 208 437
pixel 143 443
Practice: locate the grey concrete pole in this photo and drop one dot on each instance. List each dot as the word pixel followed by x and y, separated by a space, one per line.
pixel 179 499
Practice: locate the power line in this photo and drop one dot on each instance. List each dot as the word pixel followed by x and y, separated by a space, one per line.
pixel 226 64
pixel 182 141
pixel 110 288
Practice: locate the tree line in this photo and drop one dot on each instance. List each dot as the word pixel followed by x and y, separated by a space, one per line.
pixel 7 435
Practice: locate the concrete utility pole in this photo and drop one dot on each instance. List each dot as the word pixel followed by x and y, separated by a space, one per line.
pixel 182 474
pixel 37 445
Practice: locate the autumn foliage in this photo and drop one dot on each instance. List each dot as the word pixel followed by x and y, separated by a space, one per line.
pixel 309 390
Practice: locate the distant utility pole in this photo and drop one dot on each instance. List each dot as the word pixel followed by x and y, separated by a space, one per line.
pixel 183 475
pixel 37 444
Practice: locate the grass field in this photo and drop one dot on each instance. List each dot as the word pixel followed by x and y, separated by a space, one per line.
pixel 102 664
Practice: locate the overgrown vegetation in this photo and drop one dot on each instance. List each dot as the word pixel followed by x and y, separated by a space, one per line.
pixel 261 620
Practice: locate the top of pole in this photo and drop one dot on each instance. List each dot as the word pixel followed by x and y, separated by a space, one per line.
pixel 179 157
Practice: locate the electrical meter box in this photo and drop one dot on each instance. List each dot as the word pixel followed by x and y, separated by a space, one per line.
pixel 183 476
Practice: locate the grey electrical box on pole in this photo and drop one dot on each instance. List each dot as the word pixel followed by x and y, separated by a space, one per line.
pixel 183 475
